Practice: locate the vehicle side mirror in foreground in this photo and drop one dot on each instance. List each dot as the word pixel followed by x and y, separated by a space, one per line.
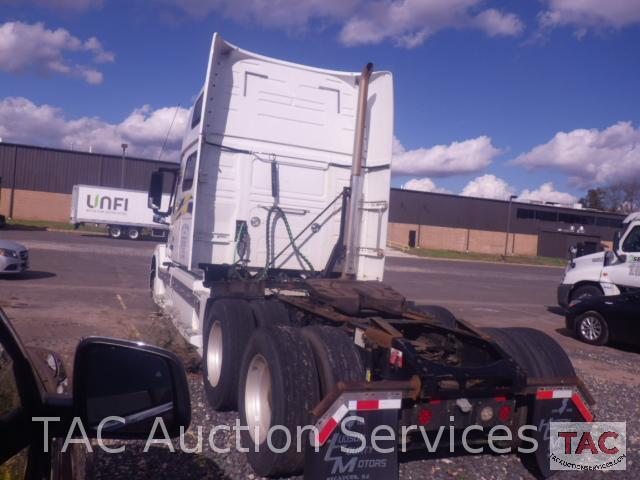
pixel 130 380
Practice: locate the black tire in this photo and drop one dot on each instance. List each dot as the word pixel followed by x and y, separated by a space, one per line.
pixel 441 315
pixel 115 231
pixel 592 328
pixel 269 312
pixel 539 355
pixel 585 291
pixel 133 233
pixel 337 358
pixel 234 325
pixel 294 392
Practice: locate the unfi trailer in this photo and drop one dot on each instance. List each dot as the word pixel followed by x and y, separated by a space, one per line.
pixel 124 212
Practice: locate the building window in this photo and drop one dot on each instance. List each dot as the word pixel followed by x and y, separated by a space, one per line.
pixel 197 112
pixel 546 216
pixel 609 222
pixel 576 219
pixel 525 213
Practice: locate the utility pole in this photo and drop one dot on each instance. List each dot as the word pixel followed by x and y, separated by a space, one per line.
pixel 124 157
pixel 506 240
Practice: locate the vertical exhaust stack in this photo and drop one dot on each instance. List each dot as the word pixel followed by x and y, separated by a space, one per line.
pixel 354 219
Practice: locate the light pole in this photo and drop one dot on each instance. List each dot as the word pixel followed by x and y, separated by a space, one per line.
pixel 124 156
pixel 506 240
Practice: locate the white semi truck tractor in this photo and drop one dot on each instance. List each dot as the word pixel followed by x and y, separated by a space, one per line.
pixel 273 269
pixel 611 272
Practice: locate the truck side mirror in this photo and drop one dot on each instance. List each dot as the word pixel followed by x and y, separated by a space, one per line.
pixel 122 389
pixel 156 187
pixel 616 241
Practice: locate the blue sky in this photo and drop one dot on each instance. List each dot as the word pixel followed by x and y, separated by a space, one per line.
pixel 518 76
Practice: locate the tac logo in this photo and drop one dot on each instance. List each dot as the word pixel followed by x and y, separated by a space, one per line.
pixel 588 446
pixel 108 203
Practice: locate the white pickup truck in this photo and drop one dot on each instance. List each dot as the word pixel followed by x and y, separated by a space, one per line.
pixel 605 273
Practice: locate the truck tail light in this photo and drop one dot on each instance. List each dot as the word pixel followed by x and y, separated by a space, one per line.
pixel 504 414
pixel 425 416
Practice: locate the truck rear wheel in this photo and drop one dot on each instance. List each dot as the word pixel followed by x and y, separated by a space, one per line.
pixel 115 231
pixel 133 233
pixel 337 358
pixel 541 357
pixel 228 326
pixel 440 314
pixel 278 387
pixel 269 312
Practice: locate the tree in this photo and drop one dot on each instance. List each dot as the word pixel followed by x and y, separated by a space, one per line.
pixel 595 198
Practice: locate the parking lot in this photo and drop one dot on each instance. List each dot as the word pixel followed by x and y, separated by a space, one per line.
pixel 81 285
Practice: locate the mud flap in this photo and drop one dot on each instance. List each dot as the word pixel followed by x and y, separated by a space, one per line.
pixel 336 449
pixel 555 404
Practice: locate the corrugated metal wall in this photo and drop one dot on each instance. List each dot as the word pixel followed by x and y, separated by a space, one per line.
pixel 57 171
pixel 442 210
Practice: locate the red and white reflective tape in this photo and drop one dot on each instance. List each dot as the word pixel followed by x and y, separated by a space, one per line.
pixel 353 402
pixel 574 395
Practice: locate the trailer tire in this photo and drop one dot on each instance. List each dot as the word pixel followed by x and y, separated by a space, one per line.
pixel 269 312
pixel 441 315
pixel 133 233
pixel 228 326
pixel 278 387
pixel 539 355
pixel 115 231
pixel 337 358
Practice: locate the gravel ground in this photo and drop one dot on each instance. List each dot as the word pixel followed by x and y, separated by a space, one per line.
pixel 614 402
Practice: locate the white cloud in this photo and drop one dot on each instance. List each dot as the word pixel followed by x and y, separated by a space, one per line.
pixel 547 193
pixel 495 23
pixel 423 185
pixel 292 14
pixel 408 23
pixel 488 186
pixel 591 157
pixel 22 121
pixel 69 5
pixel 34 48
pixel 590 14
pixel 444 160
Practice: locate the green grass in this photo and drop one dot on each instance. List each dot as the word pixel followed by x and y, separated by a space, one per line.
pixel 486 257
pixel 42 225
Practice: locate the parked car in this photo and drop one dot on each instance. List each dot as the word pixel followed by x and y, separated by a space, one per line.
pixel 14 257
pixel 111 378
pixel 596 320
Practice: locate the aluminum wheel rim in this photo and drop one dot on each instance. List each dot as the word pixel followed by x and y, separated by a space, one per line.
pixel 257 399
pixel 591 328
pixel 134 234
pixel 116 232
pixel 214 354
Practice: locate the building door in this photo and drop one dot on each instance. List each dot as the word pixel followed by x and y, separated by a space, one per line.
pixel 412 238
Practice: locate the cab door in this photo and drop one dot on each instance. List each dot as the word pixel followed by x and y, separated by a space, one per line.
pixel 627 273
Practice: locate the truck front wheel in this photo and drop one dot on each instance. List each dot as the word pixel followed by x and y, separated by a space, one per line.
pixel 278 389
pixel 228 326
pixel 585 291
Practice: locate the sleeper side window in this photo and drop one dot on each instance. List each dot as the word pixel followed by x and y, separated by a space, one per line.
pixel 197 113
pixel 189 172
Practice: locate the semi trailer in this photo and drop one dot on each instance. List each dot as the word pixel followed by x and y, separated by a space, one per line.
pixel 124 212
pixel 273 269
